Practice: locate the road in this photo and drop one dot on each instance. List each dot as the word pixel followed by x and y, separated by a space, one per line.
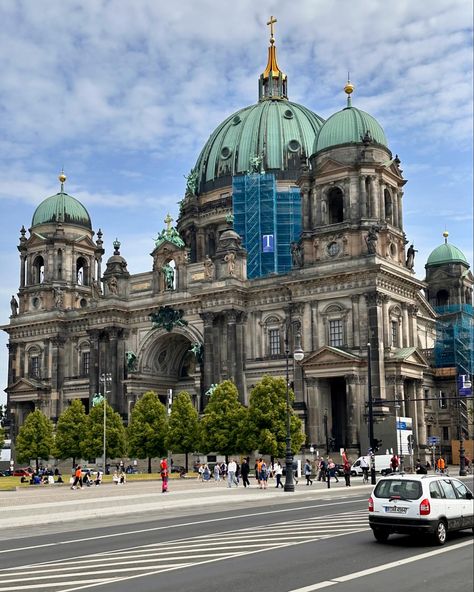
pixel 273 545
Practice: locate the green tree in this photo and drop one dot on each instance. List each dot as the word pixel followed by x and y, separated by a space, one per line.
pixel 265 429
pixel 147 429
pixel 222 421
pixel 35 438
pixel 116 439
pixel 183 426
pixel 70 431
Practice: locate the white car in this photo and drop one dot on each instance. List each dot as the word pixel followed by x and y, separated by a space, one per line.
pixel 420 504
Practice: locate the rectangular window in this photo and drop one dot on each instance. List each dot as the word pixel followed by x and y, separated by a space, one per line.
pixel 85 363
pixel 274 342
pixel 394 333
pixel 445 433
pixel 336 338
pixel 34 366
pixel 429 430
pixel 443 402
pixel 427 395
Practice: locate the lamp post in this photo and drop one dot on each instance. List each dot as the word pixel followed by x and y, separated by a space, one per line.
pixel 298 355
pixel 399 433
pixel 104 379
pixel 370 404
pixel 326 435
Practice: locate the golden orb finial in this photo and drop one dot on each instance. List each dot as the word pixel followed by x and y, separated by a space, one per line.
pixel 445 234
pixel 349 88
pixel 62 177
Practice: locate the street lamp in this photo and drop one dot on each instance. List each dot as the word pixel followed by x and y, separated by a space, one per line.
pixel 298 355
pixel 370 404
pixel 104 379
pixel 398 428
pixel 326 434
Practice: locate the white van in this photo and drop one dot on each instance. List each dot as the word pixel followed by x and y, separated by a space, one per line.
pixel 382 464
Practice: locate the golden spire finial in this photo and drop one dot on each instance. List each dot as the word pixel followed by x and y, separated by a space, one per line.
pixel 349 89
pixel 270 23
pixel 445 234
pixel 62 179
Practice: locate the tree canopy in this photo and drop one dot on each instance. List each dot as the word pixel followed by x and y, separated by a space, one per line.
pixel 222 421
pixel 147 429
pixel 265 429
pixel 183 426
pixel 35 438
pixel 70 431
pixel 116 441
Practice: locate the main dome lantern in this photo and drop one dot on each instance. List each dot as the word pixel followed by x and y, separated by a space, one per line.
pixel 275 132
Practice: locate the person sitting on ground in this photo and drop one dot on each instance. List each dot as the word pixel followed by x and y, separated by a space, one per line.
pixel 98 478
pixel 420 467
pixel 87 480
pixel 115 478
pixel 122 479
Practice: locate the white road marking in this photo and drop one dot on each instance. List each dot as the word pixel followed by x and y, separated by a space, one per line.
pixel 379 568
pixel 171 526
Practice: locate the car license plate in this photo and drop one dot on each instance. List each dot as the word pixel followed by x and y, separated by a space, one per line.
pixel 395 510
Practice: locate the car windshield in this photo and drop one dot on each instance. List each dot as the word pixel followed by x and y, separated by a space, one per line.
pixel 398 489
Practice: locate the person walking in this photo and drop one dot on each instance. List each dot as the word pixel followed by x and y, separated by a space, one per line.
pixel 307 472
pixel 263 476
pixel 364 465
pixel 244 471
pixel 394 463
pixel 231 470
pixel 347 471
pixel 322 470
pixel 77 478
pixel 441 465
pixel 332 473
pixel 278 470
pixel 217 473
pixel 164 475
pixel 206 473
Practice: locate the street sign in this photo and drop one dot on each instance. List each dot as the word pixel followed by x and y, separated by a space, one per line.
pixel 464 385
pixel 434 440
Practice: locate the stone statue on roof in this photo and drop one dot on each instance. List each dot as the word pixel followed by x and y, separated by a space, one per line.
pixel 191 182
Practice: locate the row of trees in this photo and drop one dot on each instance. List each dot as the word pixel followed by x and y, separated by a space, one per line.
pixel 226 427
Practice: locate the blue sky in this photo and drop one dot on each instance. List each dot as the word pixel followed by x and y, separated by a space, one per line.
pixel 124 94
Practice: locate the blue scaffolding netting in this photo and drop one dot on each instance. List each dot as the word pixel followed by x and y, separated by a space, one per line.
pixel 267 220
pixel 455 338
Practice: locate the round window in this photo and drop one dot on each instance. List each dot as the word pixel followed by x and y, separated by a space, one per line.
pixel 293 145
pixel 393 250
pixel 236 120
pixel 83 303
pixel 288 114
pixel 333 249
pixel 226 152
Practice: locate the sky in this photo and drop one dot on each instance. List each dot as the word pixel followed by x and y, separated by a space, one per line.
pixel 124 93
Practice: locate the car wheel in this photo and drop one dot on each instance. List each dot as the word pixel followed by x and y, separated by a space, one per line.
pixel 381 535
pixel 441 533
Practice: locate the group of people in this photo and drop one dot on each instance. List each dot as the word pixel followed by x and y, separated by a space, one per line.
pixel 78 479
pixel 43 477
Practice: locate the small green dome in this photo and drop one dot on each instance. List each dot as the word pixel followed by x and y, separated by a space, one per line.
pixel 275 131
pixel 349 126
pixel 446 253
pixel 61 208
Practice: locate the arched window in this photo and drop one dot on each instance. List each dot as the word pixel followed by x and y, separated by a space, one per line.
pixel 38 270
pixel 34 362
pixel 334 317
pixel 82 271
pixel 59 265
pixel 442 298
pixel 335 206
pixel 273 336
pixel 388 206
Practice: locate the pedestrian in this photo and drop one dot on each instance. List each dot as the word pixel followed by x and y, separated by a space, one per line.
pixel 98 478
pixel 263 475
pixel 394 463
pixel 278 470
pixel 256 472
pixel 237 472
pixel 77 477
pixel 332 470
pixel 164 475
pixel 224 469
pixel 364 465
pixel 231 470
pixel 200 472
pixel 307 472
pixel 347 471
pixel 420 468
pixel 441 465
pixel 217 473
pixel 206 473
pixel 244 471
pixel 322 470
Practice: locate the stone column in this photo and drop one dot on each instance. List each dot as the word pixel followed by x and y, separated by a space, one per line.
pixel 306 208
pixel 324 207
pixel 93 364
pixel 375 322
pixel 12 349
pixel 208 319
pixel 240 356
pixel 258 328
pixel 394 209
pixel 386 321
pixel 383 213
pixel 231 320
pixel 363 197
pixel 355 320
pixel 405 325
pixel 201 244
pixel 57 375
pixel 374 196
pixel 314 326
pixel 22 270
pixel 352 438
pixel 400 209
pixel 420 413
pixel 413 311
pixel 316 193
pixel 347 200
pixel 113 396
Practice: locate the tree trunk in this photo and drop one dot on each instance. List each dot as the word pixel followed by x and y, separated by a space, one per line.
pixel 73 461
pixel 149 464
pixel 37 464
pixel 186 467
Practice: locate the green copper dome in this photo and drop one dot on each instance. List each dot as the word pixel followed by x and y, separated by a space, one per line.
pixel 446 253
pixel 349 126
pixel 268 136
pixel 61 208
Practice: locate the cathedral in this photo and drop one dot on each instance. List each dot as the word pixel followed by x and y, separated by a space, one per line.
pixel 289 237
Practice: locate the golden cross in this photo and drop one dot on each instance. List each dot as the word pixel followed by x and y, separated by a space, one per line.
pixel 270 23
pixel 168 221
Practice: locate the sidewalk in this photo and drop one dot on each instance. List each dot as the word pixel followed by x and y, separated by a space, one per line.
pixel 55 504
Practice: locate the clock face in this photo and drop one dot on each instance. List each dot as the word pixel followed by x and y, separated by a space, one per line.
pixel 333 249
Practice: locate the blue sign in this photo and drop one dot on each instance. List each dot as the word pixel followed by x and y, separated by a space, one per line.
pixel 464 385
pixel 401 425
pixel 433 440
pixel 268 243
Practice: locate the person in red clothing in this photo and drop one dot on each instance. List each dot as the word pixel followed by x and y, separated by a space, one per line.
pixel 77 478
pixel 164 475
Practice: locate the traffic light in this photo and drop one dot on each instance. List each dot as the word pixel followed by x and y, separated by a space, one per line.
pixel 376 444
